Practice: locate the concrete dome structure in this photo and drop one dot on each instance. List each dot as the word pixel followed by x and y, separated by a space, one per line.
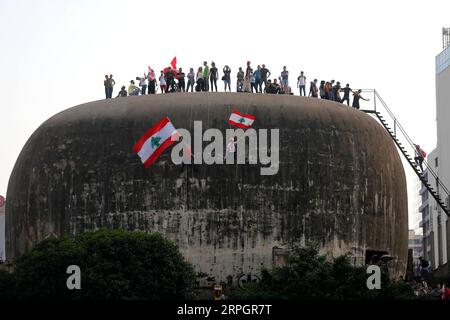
pixel 340 183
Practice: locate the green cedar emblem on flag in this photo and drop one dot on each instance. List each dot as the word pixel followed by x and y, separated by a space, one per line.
pixel 155 142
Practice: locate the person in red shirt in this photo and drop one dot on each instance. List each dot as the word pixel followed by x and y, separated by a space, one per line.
pixel 446 291
pixel 420 155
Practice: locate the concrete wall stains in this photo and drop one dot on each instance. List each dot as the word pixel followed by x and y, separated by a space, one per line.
pixel 340 184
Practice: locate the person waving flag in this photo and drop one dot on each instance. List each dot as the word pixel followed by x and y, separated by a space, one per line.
pixel 151 74
pixel 173 66
pixel 241 120
pixel 157 139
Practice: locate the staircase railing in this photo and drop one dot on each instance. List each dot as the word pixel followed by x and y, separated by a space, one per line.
pixel 404 143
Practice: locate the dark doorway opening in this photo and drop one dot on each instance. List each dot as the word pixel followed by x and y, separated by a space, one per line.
pixel 372 256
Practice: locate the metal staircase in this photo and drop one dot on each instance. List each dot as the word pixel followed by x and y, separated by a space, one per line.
pixel 406 145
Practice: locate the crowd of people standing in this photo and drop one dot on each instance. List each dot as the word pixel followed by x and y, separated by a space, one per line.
pixel 251 81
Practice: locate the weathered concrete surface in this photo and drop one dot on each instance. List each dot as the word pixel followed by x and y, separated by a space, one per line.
pixel 340 184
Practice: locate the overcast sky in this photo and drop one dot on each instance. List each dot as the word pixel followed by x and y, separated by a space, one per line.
pixel 54 54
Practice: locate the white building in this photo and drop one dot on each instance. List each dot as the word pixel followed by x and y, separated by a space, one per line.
pixel 429 211
pixel 436 230
pixel 415 244
pixel 414 202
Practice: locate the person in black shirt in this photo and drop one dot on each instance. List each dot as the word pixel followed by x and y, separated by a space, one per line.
pixel 226 77
pixel 322 89
pixel 213 76
pixel 356 97
pixel 424 266
pixel 346 91
pixel 170 80
pixel 152 85
pixel 122 93
pixel 265 74
pixel 268 88
pixel 336 92
pixel 272 88
pixel 313 90
pixel 181 83
pixel 276 87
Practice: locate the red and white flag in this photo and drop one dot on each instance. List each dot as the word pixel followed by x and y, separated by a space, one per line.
pixel 173 65
pixel 241 120
pixel 155 141
pixel 151 73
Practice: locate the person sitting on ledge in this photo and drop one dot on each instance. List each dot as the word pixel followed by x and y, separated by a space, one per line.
pixel 133 90
pixel 273 88
pixel 267 88
pixel 122 92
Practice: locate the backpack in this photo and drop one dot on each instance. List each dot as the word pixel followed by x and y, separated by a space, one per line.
pixel 423 154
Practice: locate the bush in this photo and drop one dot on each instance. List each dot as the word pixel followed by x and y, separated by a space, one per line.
pixel 6 285
pixel 115 264
pixel 309 276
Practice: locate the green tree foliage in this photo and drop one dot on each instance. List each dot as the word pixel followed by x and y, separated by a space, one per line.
pixel 6 285
pixel 115 264
pixel 310 276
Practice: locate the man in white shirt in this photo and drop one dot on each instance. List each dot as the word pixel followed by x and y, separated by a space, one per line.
pixel 284 80
pixel 301 83
pixel 143 84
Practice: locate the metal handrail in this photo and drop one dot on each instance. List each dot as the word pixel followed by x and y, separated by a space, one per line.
pixel 397 125
pixel 411 143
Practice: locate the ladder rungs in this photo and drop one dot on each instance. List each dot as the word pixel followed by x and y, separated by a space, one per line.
pixel 413 164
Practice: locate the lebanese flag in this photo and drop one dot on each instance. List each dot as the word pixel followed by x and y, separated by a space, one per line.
pixel 241 120
pixel 173 65
pixel 155 141
pixel 151 73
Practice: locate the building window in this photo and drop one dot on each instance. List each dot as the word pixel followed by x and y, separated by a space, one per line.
pixel 443 60
pixel 436 162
